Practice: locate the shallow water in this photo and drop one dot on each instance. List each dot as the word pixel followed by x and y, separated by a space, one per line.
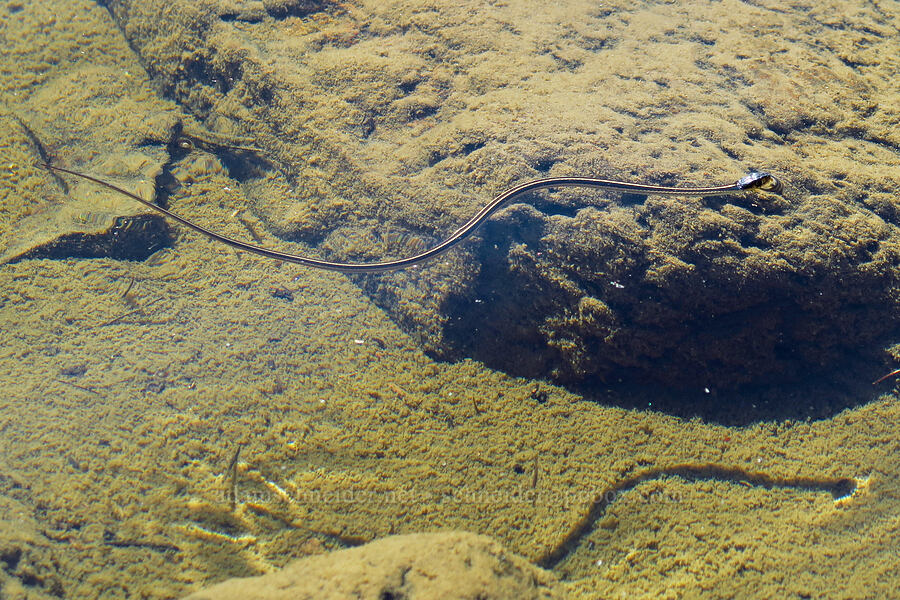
pixel 709 461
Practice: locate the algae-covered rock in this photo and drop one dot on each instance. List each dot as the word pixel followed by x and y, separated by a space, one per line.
pixel 422 566
pixel 409 116
pixel 86 105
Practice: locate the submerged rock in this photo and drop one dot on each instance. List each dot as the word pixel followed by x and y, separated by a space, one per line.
pixel 125 238
pixel 408 117
pixel 422 566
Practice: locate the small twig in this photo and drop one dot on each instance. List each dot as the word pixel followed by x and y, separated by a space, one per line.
pixel 139 309
pixel 130 300
pixel 232 471
pixel 80 387
pixel 891 374
pixel 119 318
pixel 128 289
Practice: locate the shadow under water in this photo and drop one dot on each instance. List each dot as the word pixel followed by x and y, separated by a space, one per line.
pixel 810 396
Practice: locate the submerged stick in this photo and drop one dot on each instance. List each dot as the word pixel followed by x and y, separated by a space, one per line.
pixel 232 471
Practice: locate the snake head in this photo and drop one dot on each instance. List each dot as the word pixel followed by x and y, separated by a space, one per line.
pixel 761 181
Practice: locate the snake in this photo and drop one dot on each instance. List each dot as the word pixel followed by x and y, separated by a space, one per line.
pixel 755 181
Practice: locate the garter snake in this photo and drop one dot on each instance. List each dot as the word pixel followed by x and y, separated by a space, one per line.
pixel 754 181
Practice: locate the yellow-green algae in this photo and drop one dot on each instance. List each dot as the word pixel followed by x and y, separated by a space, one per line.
pixel 103 475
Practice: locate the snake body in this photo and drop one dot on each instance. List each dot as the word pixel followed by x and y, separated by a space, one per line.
pixel 753 181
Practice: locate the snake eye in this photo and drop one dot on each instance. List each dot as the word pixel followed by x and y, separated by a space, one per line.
pixel 184 143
